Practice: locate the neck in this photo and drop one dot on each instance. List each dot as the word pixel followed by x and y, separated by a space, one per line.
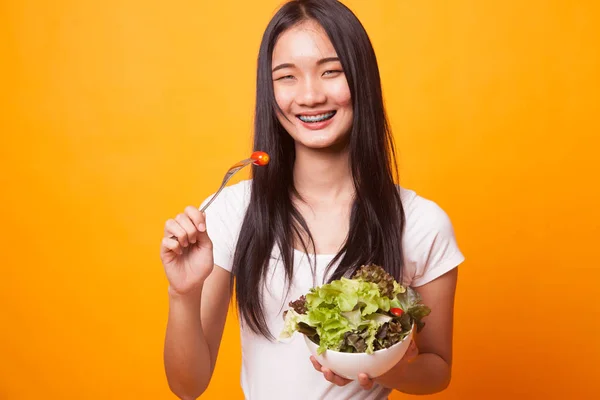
pixel 324 175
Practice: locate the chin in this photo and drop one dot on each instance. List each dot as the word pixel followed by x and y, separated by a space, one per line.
pixel 321 139
pixel 322 142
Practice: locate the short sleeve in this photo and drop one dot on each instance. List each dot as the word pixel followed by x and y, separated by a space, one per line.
pixel 224 218
pixel 435 251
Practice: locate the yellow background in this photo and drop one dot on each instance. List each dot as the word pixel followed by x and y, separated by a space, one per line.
pixel 117 114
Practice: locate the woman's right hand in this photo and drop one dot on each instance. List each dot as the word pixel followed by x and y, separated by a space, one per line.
pixel 186 251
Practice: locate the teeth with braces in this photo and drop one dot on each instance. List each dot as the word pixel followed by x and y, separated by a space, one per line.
pixel 316 118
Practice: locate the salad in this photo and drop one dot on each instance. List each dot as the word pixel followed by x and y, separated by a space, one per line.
pixel 366 313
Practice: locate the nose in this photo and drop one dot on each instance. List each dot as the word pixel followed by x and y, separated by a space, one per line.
pixel 310 93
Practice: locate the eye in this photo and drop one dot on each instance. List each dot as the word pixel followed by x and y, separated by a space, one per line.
pixel 332 72
pixel 284 78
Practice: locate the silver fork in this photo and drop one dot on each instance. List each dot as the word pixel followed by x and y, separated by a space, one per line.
pixel 230 172
pixel 258 158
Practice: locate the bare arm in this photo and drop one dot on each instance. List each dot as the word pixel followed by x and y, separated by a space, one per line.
pixel 194 332
pixel 199 296
pixel 430 371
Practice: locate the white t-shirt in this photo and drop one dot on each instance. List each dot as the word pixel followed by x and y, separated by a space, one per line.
pixel 282 370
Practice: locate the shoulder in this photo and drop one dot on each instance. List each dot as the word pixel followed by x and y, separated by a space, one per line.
pixel 422 214
pixel 238 191
pixel 233 199
pixel 429 242
pixel 224 218
pixel 226 213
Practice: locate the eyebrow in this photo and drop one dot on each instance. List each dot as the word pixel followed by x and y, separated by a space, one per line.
pixel 320 62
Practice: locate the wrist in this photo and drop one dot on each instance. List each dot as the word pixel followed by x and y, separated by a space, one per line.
pixel 190 296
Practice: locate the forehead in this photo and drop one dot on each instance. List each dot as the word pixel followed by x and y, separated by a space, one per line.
pixel 305 41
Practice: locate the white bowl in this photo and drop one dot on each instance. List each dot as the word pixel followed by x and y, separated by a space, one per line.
pixel 349 365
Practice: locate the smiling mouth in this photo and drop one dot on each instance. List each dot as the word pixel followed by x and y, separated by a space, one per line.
pixel 316 118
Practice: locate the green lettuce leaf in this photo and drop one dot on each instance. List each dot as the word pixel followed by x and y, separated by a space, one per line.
pixel 379 318
pixel 410 302
pixel 291 321
pixel 354 318
pixel 339 307
pixel 361 340
pixel 389 334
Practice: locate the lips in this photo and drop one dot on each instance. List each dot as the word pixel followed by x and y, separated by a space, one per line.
pixel 316 118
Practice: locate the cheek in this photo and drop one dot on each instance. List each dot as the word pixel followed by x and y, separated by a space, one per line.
pixel 340 94
pixel 283 98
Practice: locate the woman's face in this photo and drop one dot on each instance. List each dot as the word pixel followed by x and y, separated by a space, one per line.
pixel 311 88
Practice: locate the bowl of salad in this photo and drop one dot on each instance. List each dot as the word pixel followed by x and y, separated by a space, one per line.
pixel 362 324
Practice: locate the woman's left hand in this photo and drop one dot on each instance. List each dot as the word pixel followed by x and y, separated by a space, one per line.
pixel 363 379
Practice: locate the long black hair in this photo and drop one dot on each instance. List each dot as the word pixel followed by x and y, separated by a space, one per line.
pixel 377 216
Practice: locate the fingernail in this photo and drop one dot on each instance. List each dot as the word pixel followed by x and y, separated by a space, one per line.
pixel 201 226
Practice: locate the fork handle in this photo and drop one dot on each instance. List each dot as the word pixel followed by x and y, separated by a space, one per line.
pixel 232 171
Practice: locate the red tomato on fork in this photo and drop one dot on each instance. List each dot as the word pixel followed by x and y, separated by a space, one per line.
pixel 260 158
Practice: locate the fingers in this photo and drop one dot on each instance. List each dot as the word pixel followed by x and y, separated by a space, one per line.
pixel 199 220
pixel 315 363
pixel 185 229
pixel 172 244
pixel 333 378
pixel 188 226
pixel 173 229
pixel 196 217
pixel 328 374
pixel 365 381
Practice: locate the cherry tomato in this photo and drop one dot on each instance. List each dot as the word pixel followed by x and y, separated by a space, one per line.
pixel 396 311
pixel 260 158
